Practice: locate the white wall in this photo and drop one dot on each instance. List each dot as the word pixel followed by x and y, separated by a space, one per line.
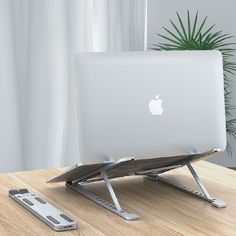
pixel 221 13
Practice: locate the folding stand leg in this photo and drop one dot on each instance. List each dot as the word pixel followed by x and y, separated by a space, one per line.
pixel 203 195
pixel 116 208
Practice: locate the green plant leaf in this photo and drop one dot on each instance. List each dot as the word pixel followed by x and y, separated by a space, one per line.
pixel 189 27
pixel 177 30
pixel 182 26
pixel 194 25
pixel 176 37
pixel 200 28
pixel 169 39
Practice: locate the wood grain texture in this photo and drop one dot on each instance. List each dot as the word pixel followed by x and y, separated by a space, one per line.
pixel 163 209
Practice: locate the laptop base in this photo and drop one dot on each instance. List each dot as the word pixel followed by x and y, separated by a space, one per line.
pixel 204 194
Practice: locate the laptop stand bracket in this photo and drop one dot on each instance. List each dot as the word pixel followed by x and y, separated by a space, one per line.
pixel 204 194
pixel 105 173
pixel 114 207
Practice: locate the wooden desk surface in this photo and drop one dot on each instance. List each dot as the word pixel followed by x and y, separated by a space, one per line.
pixel 163 209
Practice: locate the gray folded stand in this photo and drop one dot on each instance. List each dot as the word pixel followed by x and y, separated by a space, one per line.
pixel 77 177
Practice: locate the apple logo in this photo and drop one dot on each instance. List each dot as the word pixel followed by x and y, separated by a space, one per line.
pixel 155 106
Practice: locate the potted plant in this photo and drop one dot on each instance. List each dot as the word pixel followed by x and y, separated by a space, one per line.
pixel 193 35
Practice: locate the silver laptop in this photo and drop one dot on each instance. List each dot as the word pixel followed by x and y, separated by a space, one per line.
pixel 149 104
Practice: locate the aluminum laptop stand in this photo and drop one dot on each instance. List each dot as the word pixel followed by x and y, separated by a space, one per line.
pixel 115 207
pixel 77 178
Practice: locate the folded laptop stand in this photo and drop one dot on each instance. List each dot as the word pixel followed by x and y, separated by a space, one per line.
pixel 125 166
